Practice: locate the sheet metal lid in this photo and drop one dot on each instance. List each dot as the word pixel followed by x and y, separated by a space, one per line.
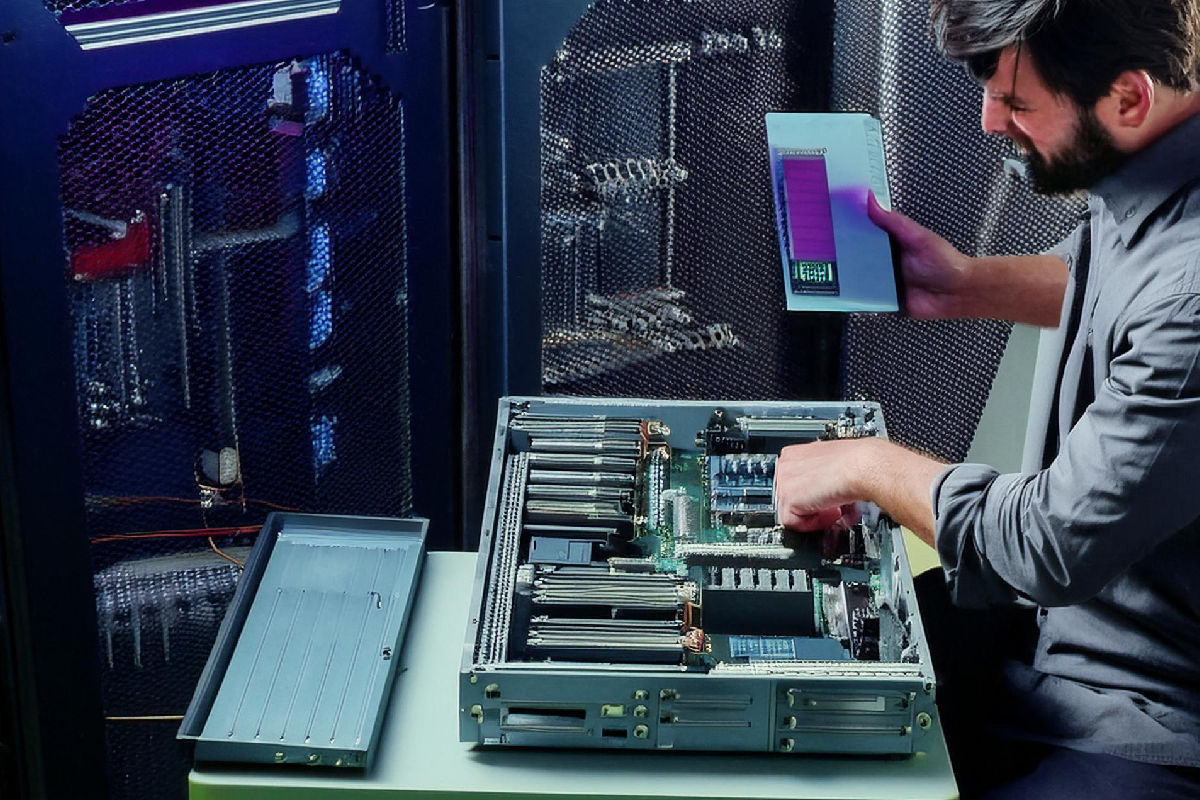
pixel 305 658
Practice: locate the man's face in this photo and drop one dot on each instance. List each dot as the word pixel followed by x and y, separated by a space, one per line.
pixel 1066 148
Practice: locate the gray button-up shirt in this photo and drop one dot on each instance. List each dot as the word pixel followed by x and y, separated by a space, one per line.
pixel 1106 539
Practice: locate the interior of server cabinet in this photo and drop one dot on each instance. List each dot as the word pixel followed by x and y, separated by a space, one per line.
pixel 232 219
pixel 292 266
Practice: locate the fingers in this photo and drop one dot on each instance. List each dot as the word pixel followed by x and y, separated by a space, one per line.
pixel 904 229
pixel 818 521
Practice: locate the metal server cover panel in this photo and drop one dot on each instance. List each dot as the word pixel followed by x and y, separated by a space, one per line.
pixel 305 660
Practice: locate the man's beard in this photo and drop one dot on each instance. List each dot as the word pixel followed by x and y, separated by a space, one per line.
pixel 1091 156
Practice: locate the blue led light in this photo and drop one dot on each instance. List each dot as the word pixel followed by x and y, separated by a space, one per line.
pixel 320 257
pixel 320 318
pixel 318 89
pixel 315 175
pixel 324 445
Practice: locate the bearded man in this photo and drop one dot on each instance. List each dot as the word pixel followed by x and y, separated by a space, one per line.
pixel 1099 535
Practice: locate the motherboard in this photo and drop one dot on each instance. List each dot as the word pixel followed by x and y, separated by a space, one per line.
pixel 626 541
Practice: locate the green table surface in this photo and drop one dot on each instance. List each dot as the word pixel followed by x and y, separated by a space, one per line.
pixel 420 755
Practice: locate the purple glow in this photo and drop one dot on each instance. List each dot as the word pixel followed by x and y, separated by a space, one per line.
pixel 810 216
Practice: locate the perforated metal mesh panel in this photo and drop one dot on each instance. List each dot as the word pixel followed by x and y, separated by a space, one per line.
pixel 933 378
pixel 660 263
pixel 129 8
pixel 396 26
pixel 158 615
pixel 235 261
pixel 59 6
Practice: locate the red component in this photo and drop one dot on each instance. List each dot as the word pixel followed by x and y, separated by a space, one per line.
pixel 130 253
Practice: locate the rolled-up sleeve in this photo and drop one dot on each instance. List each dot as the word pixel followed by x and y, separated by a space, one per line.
pixel 1124 481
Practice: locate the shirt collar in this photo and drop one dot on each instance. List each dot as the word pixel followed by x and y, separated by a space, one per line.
pixel 1150 177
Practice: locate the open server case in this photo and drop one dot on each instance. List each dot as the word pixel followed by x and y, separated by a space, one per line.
pixel 634 591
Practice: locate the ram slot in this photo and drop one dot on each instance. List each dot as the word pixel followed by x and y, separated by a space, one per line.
pixel 541 491
pixel 590 445
pixel 576 478
pixel 582 461
pixel 561 427
pixel 505 561
pixel 592 587
pixel 593 511
pixel 601 634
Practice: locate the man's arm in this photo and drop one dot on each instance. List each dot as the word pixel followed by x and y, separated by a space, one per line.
pixel 942 283
pixel 812 478
pixel 1122 484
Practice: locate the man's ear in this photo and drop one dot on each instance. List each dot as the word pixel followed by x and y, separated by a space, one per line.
pixel 1128 102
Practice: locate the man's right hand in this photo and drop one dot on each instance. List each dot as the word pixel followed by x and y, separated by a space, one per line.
pixel 939 282
pixel 934 272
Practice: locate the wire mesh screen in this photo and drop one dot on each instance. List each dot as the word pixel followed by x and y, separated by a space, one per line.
pixel 933 378
pixel 395 26
pixel 61 6
pixel 235 262
pixel 130 8
pixel 660 262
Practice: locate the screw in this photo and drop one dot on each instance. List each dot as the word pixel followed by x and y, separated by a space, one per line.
pixel 787 745
pixel 924 720
pixel 477 714
pixel 640 711
pixel 641 694
pixel 280 758
pixel 641 732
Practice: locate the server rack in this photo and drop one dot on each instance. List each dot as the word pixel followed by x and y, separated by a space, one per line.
pixel 226 248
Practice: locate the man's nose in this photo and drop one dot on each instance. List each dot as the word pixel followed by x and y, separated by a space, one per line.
pixel 996 116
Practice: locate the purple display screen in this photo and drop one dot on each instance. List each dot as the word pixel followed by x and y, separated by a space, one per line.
pixel 809 213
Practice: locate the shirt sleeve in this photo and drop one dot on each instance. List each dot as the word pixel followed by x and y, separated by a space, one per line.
pixel 1124 481
pixel 1068 248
